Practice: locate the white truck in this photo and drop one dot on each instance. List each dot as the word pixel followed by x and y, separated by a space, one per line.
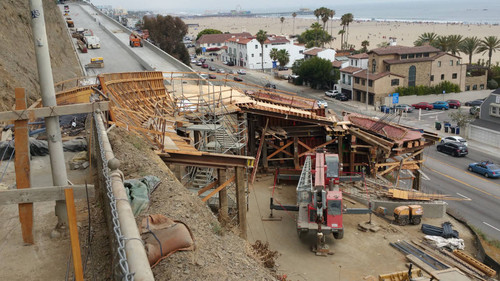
pixel 92 42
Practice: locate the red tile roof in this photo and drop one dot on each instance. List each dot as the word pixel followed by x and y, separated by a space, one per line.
pixel 276 40
pixel 402 50
pixel 313 51
pixel 337 64
pixel 350 69
pixel 240 40
pixel 391 130
pixel 359 56
pixel 220 38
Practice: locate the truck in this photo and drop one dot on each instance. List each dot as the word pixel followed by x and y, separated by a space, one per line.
pixel 97 62
pixel 135 40
pixel 319 201
pixel 92 42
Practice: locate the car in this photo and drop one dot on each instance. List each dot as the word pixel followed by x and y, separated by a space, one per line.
pixel 224 62
pixel 204 65
pixel 193 61
pixel 220 70
pixel 454 139
pixel 236 78
pixel 440 105
pixel 212 68
pixel 331 93
pixel 282 68
pixel 341 97
pixel 230 63
pixel 241 71
pixel 322 103
pixel 423 105
pixel 204 76
pixel 203 60
pixel 485 168
pixel 474 110
pixel 231 71
pixel 211 76
pixel 474 103
pixel 453 103
pixel 199 63
pixel 403 107
pixel 213 54
pixel 270 86
pixel 455 149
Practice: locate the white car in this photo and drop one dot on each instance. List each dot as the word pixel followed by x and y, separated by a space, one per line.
pixel 241 71
pixel 331 93
pixel 454 139
pixel 322 103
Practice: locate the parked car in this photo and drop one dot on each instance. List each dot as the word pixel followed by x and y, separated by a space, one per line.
pixel 212 68
pixel 282 68
pixel 203 60
pixel 403 107
pixel 322 103
pixel 441 105
pixel 454 139
pixel 270 86
pixel 236 78
pixel 474 103
pixel 212 76
pixel 224 62
pixel 331 93
pixel 485 168
pixel 455 149
pixel 423 105
pixel 204 76
pixel 241 71
pixel 199 63
pixel 474 110
pixel 230 63
pixel 454 103
pixel 194 61
pixel 213 54
pixel 220 70
pixel 204 65
pixel 341 97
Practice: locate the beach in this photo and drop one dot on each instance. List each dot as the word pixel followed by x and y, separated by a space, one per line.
pixel 375 32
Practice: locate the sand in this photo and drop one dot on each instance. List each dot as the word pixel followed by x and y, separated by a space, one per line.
pixel 375 32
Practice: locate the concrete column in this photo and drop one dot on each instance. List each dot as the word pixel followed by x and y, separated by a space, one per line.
pixel 241 201
pixel 416 180
pixel 223 202
pixel 57 162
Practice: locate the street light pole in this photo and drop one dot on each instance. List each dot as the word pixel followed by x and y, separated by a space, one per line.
pixel 367 70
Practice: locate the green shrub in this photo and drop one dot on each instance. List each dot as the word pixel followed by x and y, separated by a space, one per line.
pixel 492 84
pixel 446 86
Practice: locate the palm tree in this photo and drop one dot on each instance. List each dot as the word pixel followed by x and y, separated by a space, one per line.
pixel 489 44
pixel 341 33
pixel 317 14
pixel 282 19
pixel 294 15
pixel 283 57
pixel 365 45
pixel 332 13
pixel 442 43
pixel 454 42
pixel 273 54
pixel 346 19
pixel 429 37
pixel 261 37
pixel 470 46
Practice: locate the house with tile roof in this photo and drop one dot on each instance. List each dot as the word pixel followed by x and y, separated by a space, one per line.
pixel 247 52
pixel 217 40
pixel 323 53
pixel 356 63
pixel 394 66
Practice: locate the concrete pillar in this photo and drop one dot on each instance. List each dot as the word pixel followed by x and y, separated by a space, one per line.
pixel 416 180
pixel 223 202
pixel 241 201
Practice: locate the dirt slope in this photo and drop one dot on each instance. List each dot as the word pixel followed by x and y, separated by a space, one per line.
pixel 17 54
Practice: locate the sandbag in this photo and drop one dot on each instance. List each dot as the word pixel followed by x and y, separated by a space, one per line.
pixel 164 236
pixel 138 191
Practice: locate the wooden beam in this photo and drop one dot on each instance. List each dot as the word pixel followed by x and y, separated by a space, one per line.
pixel 316 147
pixel 397 163
pixel 259 151
pixel 22 167
pixel 42 194
pixel 53 111
pixel 290 142
pixel 207 187
pixel 223 199
pixel 73 234
pixel 241 201
pixel 296 153
pixel 277 147
pixel 218 189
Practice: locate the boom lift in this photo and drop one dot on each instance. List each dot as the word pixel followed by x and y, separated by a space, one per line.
pixel 319 201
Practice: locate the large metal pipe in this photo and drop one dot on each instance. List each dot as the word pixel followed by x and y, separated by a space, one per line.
pixel 136 254
pixel 57 162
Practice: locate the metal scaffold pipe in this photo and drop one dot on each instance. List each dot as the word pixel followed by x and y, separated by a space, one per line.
pixel 57 162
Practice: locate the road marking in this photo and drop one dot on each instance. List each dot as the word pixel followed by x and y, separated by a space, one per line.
pixel 491 226
pixel 464 183
pixel 461 195
pixel 467 172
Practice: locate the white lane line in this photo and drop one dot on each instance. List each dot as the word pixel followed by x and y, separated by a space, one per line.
pixel 461 195
pixel 491 226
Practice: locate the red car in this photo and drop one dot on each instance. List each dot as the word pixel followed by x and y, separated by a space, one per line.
pixel 453 103
pixel 204 65
pixel 211 76
pixel 423 105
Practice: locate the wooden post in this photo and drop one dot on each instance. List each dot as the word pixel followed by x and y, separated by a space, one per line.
pixel 73 234
pixel 265 163
pixel 251 134
pixel 223 205
pixel 416 180
pixel 341 149
pixel 257 157
pixel 296 153
pixel 241 201
pixel 351 154
pixel 22 167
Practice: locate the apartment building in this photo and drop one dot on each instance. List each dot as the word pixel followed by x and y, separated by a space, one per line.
pixel 355 64
pixel 217 40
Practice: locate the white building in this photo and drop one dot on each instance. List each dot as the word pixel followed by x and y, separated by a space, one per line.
pixel 218 40
pixel 356 64
pixel 328 54
pixel 247 52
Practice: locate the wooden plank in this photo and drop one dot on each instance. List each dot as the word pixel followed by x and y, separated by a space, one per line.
pixel 259 150
pixel 42 194
pixel 314 148
pixel 475 263
pixel 218 189
pixel 241 201
pixel 296 153
pixel 290 142
pixel 73 234
pixel 22 167
pixel 277 147
pixel 207 187
pixel 425 267
pixel 223 199
pixel 53 111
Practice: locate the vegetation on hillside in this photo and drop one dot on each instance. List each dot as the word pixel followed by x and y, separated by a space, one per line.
pixel 446 86
pixel 168 32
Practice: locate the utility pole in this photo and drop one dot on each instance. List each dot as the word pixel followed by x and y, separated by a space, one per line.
pixel 57 162
pixel 367 70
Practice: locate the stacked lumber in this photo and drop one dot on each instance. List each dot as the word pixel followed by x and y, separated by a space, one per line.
pixel 414 195
pixel 475 263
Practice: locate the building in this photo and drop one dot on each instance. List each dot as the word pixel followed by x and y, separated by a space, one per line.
pixel 400 66
pixel 328 54
pixel 476 78
pixel 246 51
pixel 486 129
pixel 355 64
pixel 217 40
